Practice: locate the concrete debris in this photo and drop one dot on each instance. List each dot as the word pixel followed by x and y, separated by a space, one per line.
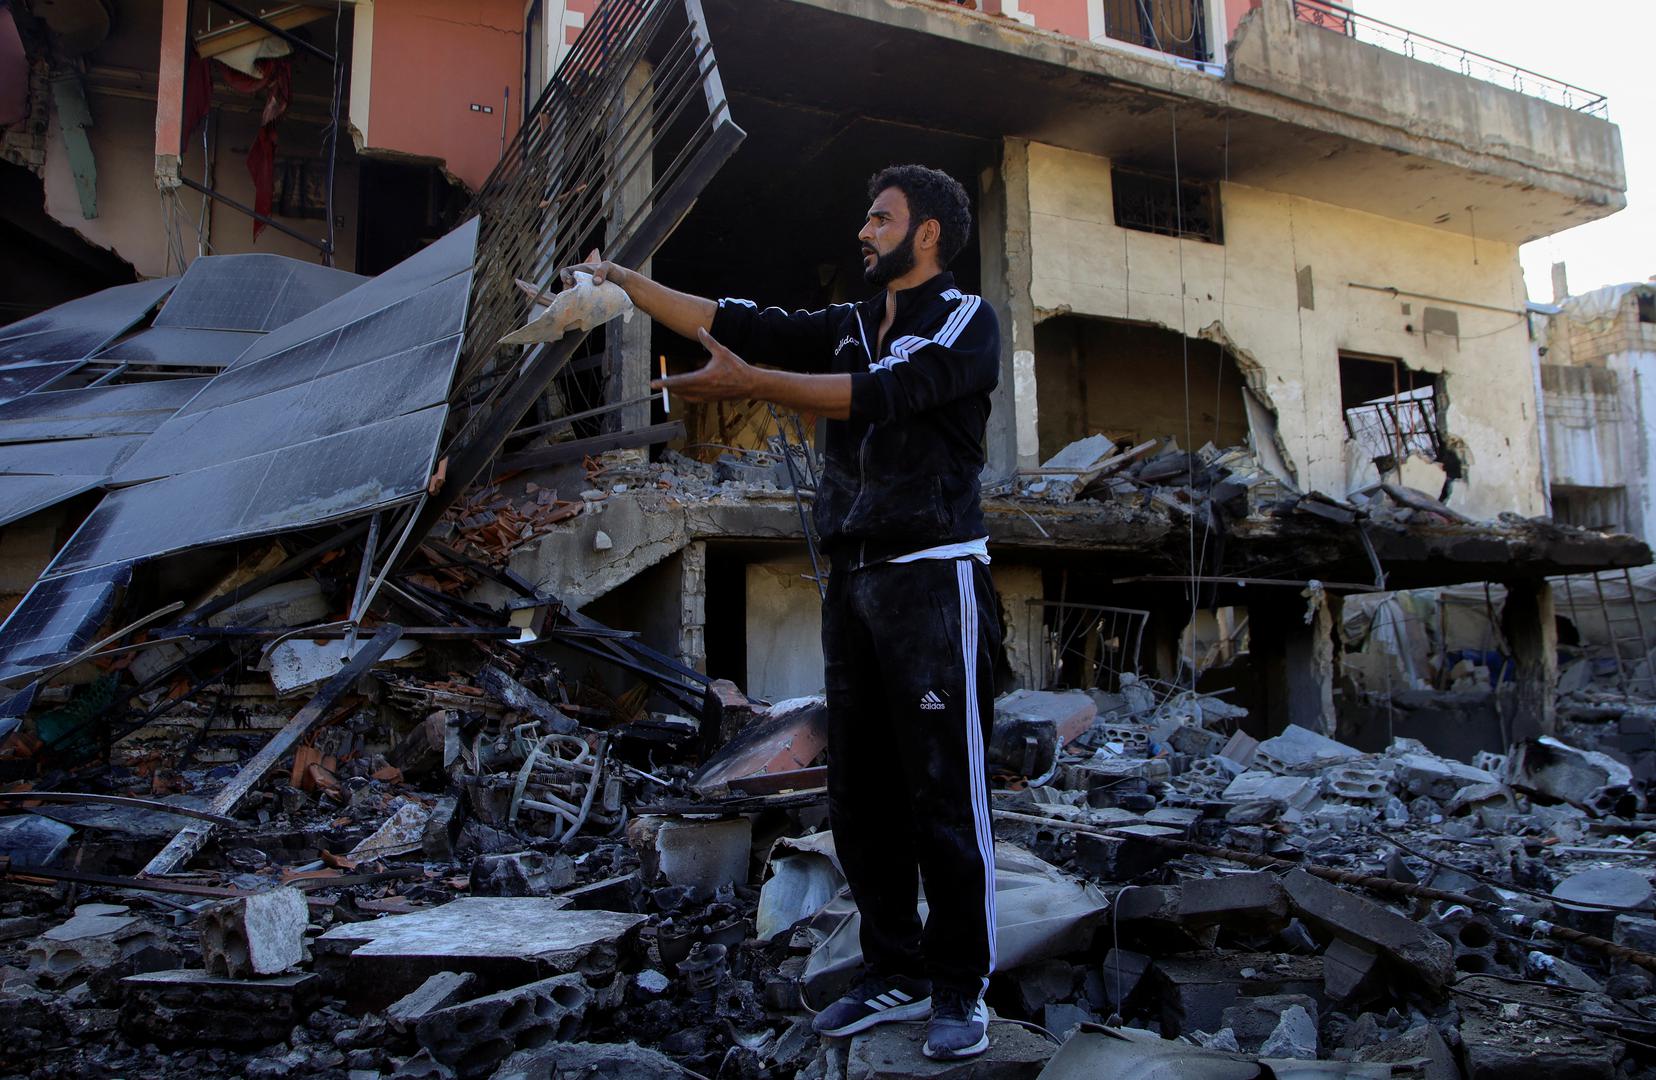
pixel 493 859
pixel 262 934
pixel 474 1037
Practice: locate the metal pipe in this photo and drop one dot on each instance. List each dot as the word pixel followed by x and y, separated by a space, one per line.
pixel 320 245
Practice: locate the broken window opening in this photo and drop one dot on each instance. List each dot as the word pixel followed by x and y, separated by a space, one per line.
pixel 1127 381
pixel 1149 202
pixel 1647 307
pixel 1216 638
pixel 1393 412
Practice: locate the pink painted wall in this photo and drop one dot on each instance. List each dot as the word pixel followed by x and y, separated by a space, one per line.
pixel 1234 10
pixel 432 59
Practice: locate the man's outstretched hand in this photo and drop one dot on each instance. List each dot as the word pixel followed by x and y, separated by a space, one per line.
pixel 725 376
pixel 600 268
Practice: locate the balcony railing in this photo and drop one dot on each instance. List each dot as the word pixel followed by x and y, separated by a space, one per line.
pixel 1474 65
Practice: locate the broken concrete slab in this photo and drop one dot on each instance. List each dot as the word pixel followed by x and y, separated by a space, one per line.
pixel 504 940
pixel 1128 1052
pixel 893 1052
pixel 1254 1020
pixel 88 943
pixel 590 1061
pixel 195 1006
pixel 1362 921
pixel 1195 989
pixel 400 833
pixel 1435 777
pixel 1588 779
pixel 474 1037
pixel 1301 750
pixel 438 992
pixel 1501 1041
pixel 262 934
pixel 1296 792
pixel 1421 1043
pixel 1255 900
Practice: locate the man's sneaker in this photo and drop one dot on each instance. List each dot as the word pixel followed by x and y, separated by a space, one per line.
pixel 959 1026
pixel 875 1000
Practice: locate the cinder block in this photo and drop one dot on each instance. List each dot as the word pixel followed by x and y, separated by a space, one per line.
pixel 474 1037
pixel 262 934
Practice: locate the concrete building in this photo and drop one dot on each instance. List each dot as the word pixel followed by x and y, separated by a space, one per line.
pixel 1598 356
pixel 1245 224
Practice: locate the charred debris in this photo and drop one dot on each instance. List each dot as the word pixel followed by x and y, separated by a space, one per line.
pixel 302 774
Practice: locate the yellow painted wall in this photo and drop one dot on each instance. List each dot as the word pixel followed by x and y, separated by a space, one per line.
pixel 1085 264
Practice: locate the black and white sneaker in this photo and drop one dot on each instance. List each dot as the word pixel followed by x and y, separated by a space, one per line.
pixel 875 1000
pixel 959 1027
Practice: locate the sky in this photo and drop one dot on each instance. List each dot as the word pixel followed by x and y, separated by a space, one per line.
pixel 1608 46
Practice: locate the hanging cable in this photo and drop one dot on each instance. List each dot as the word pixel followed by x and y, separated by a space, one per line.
pixel 1184 346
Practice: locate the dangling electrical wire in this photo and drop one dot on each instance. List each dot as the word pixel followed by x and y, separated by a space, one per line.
pixel 1184 345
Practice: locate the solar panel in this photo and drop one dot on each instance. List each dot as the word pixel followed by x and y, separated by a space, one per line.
pixel 337 476
pixel 27 378
pixel 21 496
pixel 388 386
pixel 437 262
pixel 178 346
pixel 57 618
pixel 253 292
pixel 434 313
pixel 76 330
pixel 135 409
pixel 87 457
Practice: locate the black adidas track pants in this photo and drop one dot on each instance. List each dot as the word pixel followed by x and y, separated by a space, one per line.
pixel 909 651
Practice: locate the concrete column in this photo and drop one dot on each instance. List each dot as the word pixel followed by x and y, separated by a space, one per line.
pixel 1529 623
pixel 1008 269
pixel 169 92
pixel 692 637
pixel 1295 661
pixel 627 361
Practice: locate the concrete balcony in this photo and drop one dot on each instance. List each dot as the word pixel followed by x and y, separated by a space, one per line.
pixel 1301 109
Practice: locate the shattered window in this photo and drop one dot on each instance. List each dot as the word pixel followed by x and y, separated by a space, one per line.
pixel 1391 411
pixel 1152 203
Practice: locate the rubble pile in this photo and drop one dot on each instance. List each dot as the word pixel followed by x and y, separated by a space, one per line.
pixel 461 859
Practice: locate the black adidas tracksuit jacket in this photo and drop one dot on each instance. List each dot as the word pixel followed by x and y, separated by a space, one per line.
pixel 909 645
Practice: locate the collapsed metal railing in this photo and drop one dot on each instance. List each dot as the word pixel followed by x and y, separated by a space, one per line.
pixel 624 137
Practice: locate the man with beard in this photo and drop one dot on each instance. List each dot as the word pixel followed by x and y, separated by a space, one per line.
pixel 910 625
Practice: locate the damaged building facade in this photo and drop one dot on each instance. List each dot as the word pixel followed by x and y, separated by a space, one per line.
pixel 458 697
